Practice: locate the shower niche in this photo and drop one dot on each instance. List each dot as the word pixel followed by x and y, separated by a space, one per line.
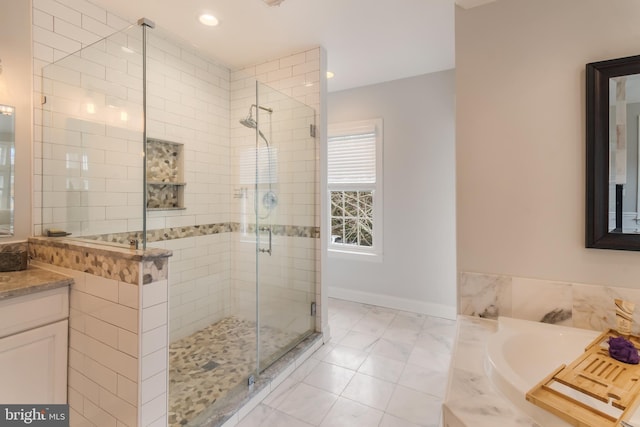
pixel 165 175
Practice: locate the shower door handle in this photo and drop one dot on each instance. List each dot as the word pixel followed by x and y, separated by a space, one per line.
pixel 270 240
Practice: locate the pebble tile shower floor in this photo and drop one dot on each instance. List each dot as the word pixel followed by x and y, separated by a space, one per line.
pixel 205 366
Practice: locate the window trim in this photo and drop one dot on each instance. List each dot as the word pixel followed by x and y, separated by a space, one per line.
pixel 361 253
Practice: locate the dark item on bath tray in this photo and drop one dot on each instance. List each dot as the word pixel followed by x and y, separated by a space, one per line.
pixel 623 350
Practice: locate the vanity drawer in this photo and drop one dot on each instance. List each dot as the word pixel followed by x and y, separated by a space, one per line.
pixel 29 311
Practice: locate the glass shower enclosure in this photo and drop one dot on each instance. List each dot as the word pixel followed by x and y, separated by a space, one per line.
pixel 146 141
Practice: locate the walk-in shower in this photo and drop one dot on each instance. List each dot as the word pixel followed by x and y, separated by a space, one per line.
pixel 142 100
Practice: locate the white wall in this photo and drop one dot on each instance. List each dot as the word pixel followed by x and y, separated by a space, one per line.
pixel 418 270
pixel 520 85
pixel 15 90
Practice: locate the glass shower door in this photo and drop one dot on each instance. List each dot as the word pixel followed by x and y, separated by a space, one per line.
pixel 285 197
pixel 92 142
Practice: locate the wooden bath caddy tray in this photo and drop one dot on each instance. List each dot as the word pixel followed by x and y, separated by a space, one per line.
pixel 597 375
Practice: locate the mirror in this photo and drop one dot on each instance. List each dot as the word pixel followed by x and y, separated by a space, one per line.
pixel 7 150
pixel 613 157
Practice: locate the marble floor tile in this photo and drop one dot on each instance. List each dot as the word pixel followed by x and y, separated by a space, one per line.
pixel 382 368
pixel 308 403
pixel 430 339
pixel 280 393
pixel 429 381
pixel 389 420
pixel 409 321
pixel 329 377
pixel 407 336
pixel 430 359
pixel 359 341
pixel 346 357
pixel 324 350
pixel 415 407
pixel 347 413
pixel 396 350
pixel 265 416
pixel 369 391
pixel 303 370
pixel 337 334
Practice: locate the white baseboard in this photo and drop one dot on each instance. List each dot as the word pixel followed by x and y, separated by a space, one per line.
pixel 430 309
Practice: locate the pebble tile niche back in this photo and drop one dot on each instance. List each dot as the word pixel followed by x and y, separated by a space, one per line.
pixel 165 175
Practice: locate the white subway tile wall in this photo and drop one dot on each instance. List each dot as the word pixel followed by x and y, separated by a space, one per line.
pixel 200 290
pixel 103 347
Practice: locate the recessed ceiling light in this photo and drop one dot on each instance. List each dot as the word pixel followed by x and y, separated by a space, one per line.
pixel 208 19
pixel 330 74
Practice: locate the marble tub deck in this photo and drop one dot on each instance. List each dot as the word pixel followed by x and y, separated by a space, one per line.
pixel 209 367
pixel 471 399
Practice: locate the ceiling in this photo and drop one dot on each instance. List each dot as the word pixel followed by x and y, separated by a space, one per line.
pixel 367 41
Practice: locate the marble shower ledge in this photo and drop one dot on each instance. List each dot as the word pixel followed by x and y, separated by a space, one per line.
pixel 101 248
pixel 101 259
pixel 471 400
pixel 29 281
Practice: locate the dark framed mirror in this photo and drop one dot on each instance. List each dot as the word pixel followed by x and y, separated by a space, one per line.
pixel 613 155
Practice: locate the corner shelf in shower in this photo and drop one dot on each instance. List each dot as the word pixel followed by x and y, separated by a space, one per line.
pixel 165 175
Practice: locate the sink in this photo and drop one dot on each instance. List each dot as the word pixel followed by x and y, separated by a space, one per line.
pixel 13 260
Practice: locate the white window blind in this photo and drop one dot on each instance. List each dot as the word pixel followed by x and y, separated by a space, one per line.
pixel 354 184
pixel 351 157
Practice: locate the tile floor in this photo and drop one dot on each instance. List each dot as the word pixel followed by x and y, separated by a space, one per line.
pixel 382 367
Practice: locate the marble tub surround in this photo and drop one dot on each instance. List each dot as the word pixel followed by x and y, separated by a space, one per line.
pixel 110 262
pixel 471 399
pixel 571 304
pixel 31 280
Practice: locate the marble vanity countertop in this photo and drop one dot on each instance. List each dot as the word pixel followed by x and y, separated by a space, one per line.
pixel 31 280
pixel 471 399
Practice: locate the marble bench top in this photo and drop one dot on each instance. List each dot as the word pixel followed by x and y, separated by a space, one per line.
pixel 31 280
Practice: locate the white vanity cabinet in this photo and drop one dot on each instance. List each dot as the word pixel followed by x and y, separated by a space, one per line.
pixel 33 347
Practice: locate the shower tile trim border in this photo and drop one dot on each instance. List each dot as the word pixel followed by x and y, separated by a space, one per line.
pixel 173 233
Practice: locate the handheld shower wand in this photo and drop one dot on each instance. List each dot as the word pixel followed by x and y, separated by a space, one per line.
pixel 269 200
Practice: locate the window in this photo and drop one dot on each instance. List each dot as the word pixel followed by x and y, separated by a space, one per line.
pixel 354 172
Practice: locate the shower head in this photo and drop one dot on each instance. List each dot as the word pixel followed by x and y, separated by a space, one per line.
pixel 249 122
